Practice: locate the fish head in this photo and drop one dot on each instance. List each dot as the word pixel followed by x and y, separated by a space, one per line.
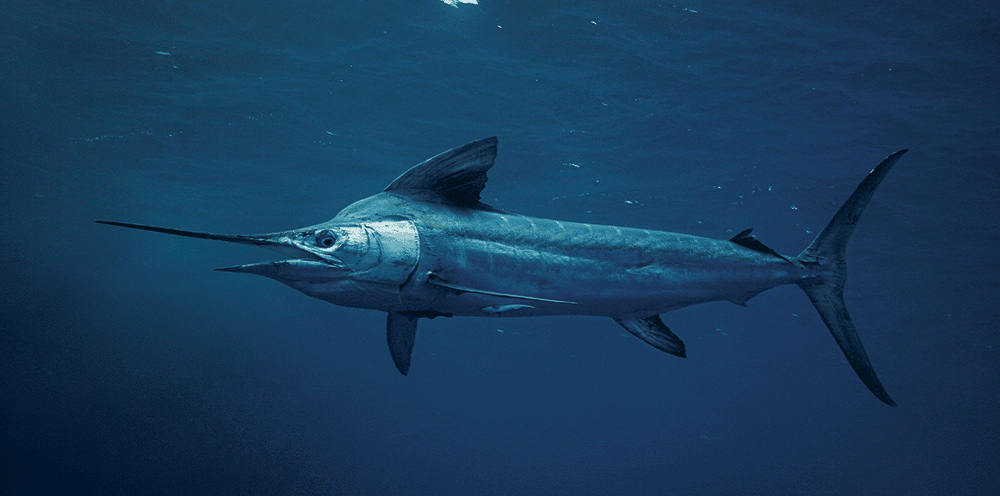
pixel 358 264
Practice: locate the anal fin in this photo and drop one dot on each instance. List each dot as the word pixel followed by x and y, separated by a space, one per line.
pixel 653 331
pixel 401 332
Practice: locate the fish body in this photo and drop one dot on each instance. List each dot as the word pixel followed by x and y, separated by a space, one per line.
pixel 427 247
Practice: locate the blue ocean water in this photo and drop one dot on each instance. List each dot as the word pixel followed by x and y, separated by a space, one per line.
pixel 129 367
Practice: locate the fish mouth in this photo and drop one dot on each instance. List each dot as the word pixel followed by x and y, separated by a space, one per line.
pixel 292 269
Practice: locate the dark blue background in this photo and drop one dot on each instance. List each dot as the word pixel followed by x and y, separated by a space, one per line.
pixel 128 367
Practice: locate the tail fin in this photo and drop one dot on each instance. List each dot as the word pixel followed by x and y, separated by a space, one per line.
pixel 826 255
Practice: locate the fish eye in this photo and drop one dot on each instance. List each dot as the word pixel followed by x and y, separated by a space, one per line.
pixel 325 240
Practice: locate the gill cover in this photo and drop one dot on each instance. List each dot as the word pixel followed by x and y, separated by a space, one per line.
pixel 393 252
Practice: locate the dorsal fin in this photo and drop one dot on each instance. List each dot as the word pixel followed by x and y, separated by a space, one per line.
pixel 456 176
pixel 747 240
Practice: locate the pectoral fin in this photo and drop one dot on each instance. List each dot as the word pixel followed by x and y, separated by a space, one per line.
pixel 434 279
pixel 497 309
pixel 400 332
pixel 653 331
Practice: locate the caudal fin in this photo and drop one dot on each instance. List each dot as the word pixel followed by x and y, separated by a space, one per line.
pixel 826 255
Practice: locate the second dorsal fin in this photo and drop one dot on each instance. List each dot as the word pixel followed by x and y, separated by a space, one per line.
pixel 456 176
pixel 747 240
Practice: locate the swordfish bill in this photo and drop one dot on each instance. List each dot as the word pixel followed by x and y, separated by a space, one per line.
pixel 427 247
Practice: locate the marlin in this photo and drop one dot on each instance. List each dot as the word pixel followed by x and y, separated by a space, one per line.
pixel 427 247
